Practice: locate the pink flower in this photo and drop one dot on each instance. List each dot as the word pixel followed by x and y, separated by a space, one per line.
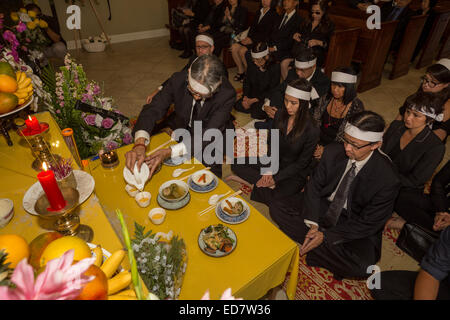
pixel 27 40
pixel 24 48
pixel 87 97
pixel 11 38
pixel 21 27
pixel 90 120
pixel 112 145
pixel 58 111
pixel 23 68
pixel 107 123
pixel 96 89
pixel 127 138
pixel 226 295
pixel 61 280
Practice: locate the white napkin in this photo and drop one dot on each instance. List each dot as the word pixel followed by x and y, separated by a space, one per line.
pixel 137 179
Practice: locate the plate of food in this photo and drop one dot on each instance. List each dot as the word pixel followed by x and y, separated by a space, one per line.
pixel 173 190
pixel 232 210
pixel 217 240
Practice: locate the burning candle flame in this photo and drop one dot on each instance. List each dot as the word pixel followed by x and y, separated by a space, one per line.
pixel 29 118
pixel 44 166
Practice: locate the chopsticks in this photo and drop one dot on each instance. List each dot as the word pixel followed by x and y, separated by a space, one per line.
pixel 159 147
pixel 182 179
pixel 213 206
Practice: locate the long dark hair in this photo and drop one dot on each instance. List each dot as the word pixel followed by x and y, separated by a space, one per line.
pixel 325 22
pixel 350 88
pixel 260 47
pixel 302 117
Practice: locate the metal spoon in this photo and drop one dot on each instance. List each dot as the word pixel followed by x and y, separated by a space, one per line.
pixel 214 199
pixel 178 172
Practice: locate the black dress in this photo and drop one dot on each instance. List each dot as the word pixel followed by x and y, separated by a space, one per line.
pixel 261 30
pixel 322 32
pixel 215 21
pixel 294 159
pixel 238 23
pixel 329 128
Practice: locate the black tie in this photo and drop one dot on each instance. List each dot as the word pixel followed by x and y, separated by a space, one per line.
pixel 335 209
pixel 196 110
pixel 284 21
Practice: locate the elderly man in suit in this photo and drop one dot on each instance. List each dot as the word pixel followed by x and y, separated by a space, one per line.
pixel 201 94
pixel 340 216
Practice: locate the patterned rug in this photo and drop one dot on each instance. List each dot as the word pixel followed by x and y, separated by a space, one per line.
pixel 318 284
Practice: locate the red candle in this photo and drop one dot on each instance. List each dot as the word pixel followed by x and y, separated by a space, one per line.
pixel 51 189
pixel 33 124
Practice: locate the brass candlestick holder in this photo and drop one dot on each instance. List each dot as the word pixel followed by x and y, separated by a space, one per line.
pixel 40 148
pixel 109 159
pixel 66 221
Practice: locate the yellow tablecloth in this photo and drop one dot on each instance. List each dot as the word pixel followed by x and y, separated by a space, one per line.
pixel 262 256
pixel 17 176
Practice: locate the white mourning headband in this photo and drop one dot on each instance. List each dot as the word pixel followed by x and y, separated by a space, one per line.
pixel 432 115
pixel 197 86
pixel 305 64
pixel 262 54
pixel 343 77
pixel 445 62
pixel 204 38
pixel 299 94
pixel 369 136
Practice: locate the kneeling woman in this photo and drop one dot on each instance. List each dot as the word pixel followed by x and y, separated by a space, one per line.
pixel 298 137
pixel 263 75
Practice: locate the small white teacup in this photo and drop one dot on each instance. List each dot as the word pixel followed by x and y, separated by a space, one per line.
pixel 143 198
pixel 157 215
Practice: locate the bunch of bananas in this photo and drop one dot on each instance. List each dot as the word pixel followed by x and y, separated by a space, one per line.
pixel 24 87
pixel 119 283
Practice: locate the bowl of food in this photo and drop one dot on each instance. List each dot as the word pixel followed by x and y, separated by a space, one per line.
pixel 6 211
pixel 202 177
pixel 173 190
pixel 232 206
pixel 217 240
pixel 131 190
pixel 157 215
pixel 143 199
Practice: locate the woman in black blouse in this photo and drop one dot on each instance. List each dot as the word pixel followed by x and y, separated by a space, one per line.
pixel 213 21
pixel 260 31
pixel 263 75
pixel 315 33
pixel 437 82
pixel 298 137
pixel 233 22
pixel 413 148
pixel 336 107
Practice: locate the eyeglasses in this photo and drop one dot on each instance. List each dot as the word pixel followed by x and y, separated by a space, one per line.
pixel 316 13
pixel 430 83
pixel 345 141
pixel 202 47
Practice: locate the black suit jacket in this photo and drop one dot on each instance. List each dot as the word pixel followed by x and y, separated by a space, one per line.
pixel 261 31
pixel 215 112
pixel 215 17
pixel 239 19
pixel 282 38
pixel 200 10
pixel 417 162
pixel 440 188
pixel 370 200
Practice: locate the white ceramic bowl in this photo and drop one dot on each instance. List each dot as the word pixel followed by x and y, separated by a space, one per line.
pixel 232 200
pixel 209 177
pixel 6 211
pixel 143 195
pixel 179 183
pixel 157 211
pixel 131 190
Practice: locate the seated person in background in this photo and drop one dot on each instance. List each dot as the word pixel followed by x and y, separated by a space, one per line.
pixel 263 26
pixel 263 75
pixel 304 68
pixel 281 40
pixel 201 95
pixel 432 282
pixel 430 211
pixel 297 139
pixel 58 48
pixel 233 23
pixel 213 21
pixel 362 4
pixel 335 108
pixel 196 12
pixel 425 8
pixel 314 33
pixel 436 81
pixel 400 11
pixel 413 148
pixel 339 218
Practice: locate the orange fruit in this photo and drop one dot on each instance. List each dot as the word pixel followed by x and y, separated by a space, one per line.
pixel 58 247
pixel 7 84
pixel 38 245
pixel 16 247
pixel 97 289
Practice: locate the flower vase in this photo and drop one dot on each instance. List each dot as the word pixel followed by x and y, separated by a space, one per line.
pixel 67 182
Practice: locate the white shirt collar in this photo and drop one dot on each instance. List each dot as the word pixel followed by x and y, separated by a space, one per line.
pixel 262 14
pixel 290 15
pixel 360 164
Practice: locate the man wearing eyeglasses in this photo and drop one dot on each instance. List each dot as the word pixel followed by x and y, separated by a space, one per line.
pixel 339 218
pixel 202 93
